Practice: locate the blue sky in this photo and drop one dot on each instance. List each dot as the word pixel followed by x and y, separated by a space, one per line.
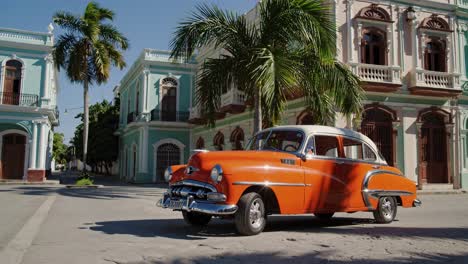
pixel 146 23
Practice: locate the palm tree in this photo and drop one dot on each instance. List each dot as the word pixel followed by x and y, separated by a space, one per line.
pixel 87 50
pixel 289 49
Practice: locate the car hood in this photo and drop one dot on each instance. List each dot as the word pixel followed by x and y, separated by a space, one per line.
pixel 231 162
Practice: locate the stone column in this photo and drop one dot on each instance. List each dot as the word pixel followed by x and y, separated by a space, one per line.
pixel 45 95
pixel 349 30
pixel 462 55
pixel 33 148
pixel 43 146
pixel 410 132
pixel 144 150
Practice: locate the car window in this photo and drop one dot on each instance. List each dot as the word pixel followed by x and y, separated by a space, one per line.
pixel 289 141
pixel 277 140
pixel 352 149
pixel 326 146
pixel 369 154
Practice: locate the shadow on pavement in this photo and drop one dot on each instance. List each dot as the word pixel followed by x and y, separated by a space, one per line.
pixel 316 257
pixel 177 229
pixel 108 192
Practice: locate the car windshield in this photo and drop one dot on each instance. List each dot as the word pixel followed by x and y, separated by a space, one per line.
pixel 277 140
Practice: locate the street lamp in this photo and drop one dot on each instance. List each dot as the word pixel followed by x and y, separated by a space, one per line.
pixel 74 108
pixel 410 14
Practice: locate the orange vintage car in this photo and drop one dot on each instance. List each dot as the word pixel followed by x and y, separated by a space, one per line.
pixel 316 170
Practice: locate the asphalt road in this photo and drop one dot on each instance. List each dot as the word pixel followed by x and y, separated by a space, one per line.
pixel 120 224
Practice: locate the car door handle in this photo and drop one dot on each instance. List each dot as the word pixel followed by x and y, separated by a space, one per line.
pixel 376 167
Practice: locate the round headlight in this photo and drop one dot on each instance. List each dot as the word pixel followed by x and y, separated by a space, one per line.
pixel 216 173
pixel 168 174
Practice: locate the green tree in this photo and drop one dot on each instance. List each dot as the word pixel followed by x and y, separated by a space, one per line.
pixel 103 144
pixel 87 50
pixel 59 149
pixel 288 49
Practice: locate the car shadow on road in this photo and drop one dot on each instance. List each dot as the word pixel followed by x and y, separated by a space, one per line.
pixel 177 229
pixel 311 258
pixel 108 192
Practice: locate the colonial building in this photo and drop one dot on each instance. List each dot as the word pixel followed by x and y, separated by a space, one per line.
pixel 155 97
pixel 411 57
pixel 28 100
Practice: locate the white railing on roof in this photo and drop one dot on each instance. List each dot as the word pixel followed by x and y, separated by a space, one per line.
pixel 26 36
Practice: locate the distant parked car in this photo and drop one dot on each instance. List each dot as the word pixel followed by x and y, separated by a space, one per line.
pixel 289 170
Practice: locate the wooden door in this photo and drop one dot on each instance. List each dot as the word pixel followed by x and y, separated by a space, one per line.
pixel 12 83
pixel 169 105
pixel 433 158
pixel 13 156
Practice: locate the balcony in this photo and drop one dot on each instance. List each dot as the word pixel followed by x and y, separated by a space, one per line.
pixel 233 102
pixel 30 100
pixel 131 117
pixel 195 116
pixel 378 78
pixel 169 116
pixel 433 83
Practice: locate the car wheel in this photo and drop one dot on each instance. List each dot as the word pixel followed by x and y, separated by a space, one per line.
pixel 324 216
pixel 386 210
pixel 196 219
pixel 250 216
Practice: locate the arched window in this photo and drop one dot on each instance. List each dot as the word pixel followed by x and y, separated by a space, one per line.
pixel 305 118
pixel 12 82
pixel 169 99
pixel 374 12
pixel 218 141
pixel 434 55
pixel 237 139
pixel 373 46
pixel 167 154
pixel 200 143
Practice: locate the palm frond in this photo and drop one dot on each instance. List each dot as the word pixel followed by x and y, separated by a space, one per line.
pixel 68 21
pixel 62 48
pixel 208 26
pixel 275 75
pixel 215 78
pixel 113 36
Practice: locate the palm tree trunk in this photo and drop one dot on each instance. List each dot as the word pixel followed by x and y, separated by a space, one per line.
pixel 85 123
pixel 257 111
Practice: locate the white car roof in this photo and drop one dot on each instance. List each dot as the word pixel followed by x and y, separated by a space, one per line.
pixel 315 129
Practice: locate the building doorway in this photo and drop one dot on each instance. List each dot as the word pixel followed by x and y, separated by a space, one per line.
pixel 13 156
pixel 433 157
pixel 166 155
pixel 377 124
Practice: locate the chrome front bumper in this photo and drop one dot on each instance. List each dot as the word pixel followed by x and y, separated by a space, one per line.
pixel 189 204
pixel 417 203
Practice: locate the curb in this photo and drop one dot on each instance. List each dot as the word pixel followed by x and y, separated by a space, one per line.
pixel 441 192
pixel 84 187
pixel 47 182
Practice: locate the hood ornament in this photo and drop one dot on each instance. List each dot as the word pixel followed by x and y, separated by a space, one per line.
pixel 190 169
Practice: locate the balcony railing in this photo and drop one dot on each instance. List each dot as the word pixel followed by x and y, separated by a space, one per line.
pixel 195 113
pixel 233 97
pixel 131 117
pixel 19 99
pixel 433 79
pixel 169 116
pixel 377 73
